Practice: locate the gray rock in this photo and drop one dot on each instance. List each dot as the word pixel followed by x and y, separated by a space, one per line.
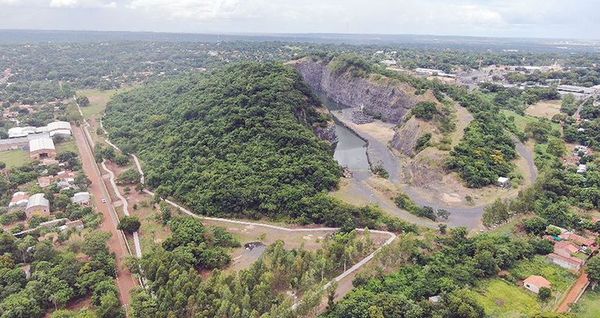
pixel 383 99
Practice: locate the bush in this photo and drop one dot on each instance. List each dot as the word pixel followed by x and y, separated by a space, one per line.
pixel 425 110
pixel 130 176
pixel 422 142
pixel 129 224
pixel 121 160
pixel 83 101
pixel 380 171
pixel 545 293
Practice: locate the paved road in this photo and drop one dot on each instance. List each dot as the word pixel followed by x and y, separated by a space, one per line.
pixel 117 244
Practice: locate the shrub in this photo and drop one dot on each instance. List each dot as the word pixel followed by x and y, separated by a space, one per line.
pixel 545 293
pixel 129 224
pixel 425 110
pixel 380 171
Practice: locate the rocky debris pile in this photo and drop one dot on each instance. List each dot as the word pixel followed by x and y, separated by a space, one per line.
pixel 359 117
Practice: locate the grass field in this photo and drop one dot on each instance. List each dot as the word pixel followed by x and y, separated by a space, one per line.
pixel 98 100
pixel 522 121
pixel 544 108
pixel 589 305
pixel 68 145
pixel 501 299
pixel 560 278
pixel 14 158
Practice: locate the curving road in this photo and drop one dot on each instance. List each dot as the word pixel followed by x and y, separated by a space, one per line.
pixel 344 279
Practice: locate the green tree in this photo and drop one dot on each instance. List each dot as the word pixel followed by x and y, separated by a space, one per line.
pixel 545 293
pixel 593 268
pixel 129 224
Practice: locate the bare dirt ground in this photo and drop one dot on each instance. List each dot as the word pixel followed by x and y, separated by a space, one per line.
pixel 125 280
pixel 545 109
pixel 423 177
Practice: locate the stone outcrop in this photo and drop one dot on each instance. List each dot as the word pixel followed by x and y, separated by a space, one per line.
pixel 405 138
pixel 377 97
pixel 326 133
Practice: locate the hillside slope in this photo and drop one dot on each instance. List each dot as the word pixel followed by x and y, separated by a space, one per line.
pixel 239 141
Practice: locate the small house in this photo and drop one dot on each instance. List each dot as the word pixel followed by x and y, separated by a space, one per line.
pixel 577 239
pixel 45 181
pixel 37 205
pixel 581 168
pixel 81 198
pixel 565 248
pixel 534 283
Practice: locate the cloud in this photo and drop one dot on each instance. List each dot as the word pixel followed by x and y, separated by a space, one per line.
pixel 82 4
pixel 195 9
pixel 549 18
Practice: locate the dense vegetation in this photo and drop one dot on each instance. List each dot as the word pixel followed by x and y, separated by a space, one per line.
pixel 448 268
pixel 486 150
pixel 176 289
pixel 236 142
pixel 56 277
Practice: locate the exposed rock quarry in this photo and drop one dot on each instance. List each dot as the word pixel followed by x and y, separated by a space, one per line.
pixel 382 98
pixel 369 98
pixel 405 138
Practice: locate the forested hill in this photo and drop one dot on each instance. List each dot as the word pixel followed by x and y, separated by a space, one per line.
pixel 238 141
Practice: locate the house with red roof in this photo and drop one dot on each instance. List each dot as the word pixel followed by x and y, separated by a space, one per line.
pixel 534 283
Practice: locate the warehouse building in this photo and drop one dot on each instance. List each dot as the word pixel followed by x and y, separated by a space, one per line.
pixel 41 148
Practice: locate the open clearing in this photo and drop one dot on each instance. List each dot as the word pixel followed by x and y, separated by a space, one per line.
pixel 98 100
pixel 589 305
pixel 501 299
pixel 67 145
pixel 545 109
pixel 505 299
pixel 14 158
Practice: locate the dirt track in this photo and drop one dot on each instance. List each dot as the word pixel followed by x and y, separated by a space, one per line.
pixel 574 293
pixel 125 280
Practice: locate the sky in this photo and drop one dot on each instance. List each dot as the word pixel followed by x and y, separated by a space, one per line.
pixel 577 19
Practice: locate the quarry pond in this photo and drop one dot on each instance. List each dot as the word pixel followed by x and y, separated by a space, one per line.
pixel 350 150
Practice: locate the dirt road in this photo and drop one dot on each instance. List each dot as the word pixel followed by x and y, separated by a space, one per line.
pixel 574 293
pixel 125 280
pixel 460 215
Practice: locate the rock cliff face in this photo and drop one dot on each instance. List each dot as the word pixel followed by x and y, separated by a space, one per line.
pixel 379 98
pixel 405 137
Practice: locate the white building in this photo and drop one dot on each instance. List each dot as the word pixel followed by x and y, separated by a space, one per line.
pixel 534 283
pixel 581 168
pixel 82 198
pixel 42 147
pixel 61 128
pixel 37 204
